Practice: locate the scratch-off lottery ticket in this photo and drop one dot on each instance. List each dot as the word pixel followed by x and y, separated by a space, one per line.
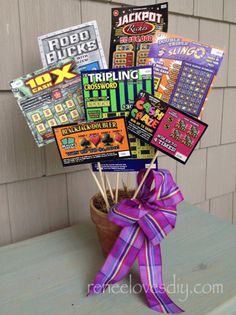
pixel 81 42
pixel 165 127
pixel 178 134
pixel 132 32
pixel 49 97
pixel 93 141
pixel 112 92
pixel 184 71
pixel 145 116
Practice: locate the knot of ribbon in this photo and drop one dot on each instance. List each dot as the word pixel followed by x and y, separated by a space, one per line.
pixel 145 222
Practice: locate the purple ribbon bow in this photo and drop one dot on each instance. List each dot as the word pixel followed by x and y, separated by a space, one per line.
pixel 146 221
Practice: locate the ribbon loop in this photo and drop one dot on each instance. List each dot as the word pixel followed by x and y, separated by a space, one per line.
pixel 156 226
pixel 126 212
pixel 146 221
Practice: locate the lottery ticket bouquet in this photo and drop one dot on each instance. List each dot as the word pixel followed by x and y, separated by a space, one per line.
pixel 117 120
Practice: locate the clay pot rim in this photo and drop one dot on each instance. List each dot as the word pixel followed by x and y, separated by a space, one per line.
pixel 100 218
pixel 99 212
pixel 97 194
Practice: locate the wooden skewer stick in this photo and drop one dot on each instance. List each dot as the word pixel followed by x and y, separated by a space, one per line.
pixel 102 178
pixel 103 185
pixel 117 186
pixel 109 186
pixel 145 175
pixel 98 184
pixel 105 181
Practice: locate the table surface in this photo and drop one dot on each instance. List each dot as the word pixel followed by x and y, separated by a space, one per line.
pixel 49 274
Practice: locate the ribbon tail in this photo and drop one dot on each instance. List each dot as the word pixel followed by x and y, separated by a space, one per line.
pixel 150 267
pixel 120 259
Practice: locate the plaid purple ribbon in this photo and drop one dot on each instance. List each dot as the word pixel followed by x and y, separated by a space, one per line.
pixel 146 221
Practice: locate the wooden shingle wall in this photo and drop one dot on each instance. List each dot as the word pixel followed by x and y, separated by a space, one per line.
pixel 36 194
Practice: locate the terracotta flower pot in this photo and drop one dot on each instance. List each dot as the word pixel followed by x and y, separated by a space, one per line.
pixel 107 231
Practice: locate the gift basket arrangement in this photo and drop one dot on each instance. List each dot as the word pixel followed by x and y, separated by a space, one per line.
pixel 116 119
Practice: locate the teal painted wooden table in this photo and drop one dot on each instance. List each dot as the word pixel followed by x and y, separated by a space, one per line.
pixel 48 275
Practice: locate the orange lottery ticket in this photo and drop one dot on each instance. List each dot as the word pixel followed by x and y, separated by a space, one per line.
pixel 97 141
